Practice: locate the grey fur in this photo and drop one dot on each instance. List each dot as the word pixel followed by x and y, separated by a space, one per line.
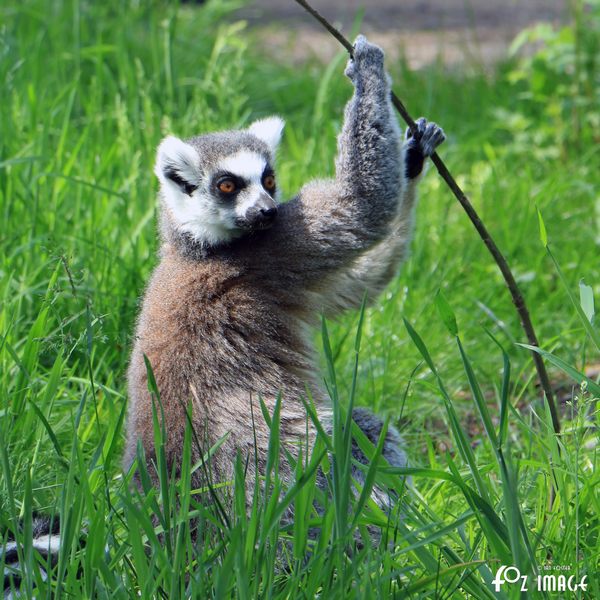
pixel 226 323
pixel 393 451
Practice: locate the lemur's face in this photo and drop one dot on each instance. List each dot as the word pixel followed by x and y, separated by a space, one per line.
pixel 221 186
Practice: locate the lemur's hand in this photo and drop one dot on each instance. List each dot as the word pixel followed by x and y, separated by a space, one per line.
pixel 367 60
pixel 428 137
pixel 421 145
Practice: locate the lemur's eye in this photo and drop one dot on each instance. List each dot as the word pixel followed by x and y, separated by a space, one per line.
pixel 269 182
pixel 227 186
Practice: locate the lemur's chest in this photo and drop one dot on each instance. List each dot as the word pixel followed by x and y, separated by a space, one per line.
pixel 222 321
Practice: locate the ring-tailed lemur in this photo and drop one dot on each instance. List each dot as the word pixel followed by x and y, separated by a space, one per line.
pixel 242 276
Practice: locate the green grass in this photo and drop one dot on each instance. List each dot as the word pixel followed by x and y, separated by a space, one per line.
pixel 88 91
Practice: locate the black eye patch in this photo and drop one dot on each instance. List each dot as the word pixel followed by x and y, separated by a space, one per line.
pixel 268 180
pixel 174 175
pixel 224 176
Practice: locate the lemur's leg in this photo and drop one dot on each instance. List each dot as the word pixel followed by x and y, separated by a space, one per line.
pixel 374 269
pixel 371 426
pixel 393 451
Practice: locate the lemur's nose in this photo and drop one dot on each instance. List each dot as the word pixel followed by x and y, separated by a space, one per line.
pixel 268 214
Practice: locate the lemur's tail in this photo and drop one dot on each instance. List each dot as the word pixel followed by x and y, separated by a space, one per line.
pixel 45 541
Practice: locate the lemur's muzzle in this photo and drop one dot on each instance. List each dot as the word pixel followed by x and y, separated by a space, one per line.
pixel 262 214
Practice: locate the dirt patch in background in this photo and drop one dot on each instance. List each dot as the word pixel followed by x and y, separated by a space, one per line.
pixel 455 31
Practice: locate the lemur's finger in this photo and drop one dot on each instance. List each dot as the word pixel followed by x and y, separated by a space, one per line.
pixel 350 70
pixel 421 124
pixel 432 137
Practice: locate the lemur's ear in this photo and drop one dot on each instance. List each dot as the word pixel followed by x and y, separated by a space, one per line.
pixel 268 130
pixel 177 163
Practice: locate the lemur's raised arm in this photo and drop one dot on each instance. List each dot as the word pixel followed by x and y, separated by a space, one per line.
pixel 341 237
pixel 330 223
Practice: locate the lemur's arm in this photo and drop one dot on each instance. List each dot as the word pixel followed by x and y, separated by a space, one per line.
pixel 330 223
pixel 374 269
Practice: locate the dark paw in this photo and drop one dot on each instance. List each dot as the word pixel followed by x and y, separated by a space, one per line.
pixel 420 145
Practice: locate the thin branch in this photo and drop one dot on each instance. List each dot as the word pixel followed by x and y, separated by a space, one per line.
pixel 515 292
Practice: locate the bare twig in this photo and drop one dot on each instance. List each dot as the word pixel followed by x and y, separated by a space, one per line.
pixel 515 292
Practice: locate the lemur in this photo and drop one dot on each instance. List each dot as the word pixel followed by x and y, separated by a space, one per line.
pixel 243 277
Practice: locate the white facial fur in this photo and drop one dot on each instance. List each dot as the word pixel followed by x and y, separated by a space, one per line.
pixel 251 167
pixel 198 213
pixel 246 164
pixel 207 222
